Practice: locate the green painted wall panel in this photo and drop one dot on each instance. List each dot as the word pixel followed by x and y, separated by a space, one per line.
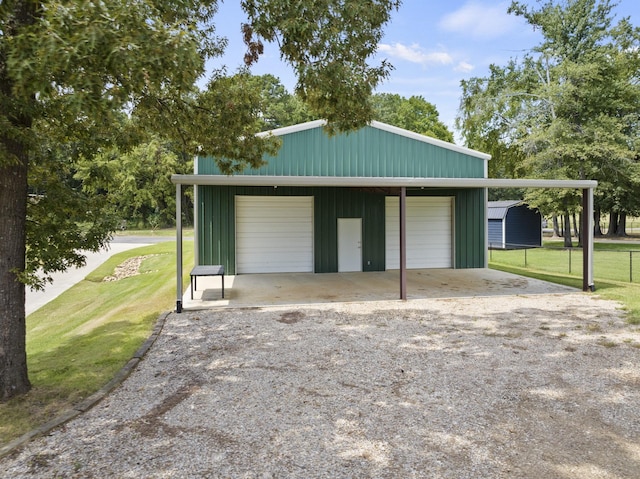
pixel 369 152
pixel 216 223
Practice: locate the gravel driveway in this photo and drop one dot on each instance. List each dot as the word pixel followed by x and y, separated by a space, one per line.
pixel 544 386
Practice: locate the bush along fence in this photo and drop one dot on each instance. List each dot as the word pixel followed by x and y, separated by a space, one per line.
pixel 616 265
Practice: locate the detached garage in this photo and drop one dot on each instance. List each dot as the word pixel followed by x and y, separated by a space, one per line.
pixel 294 215
pixel 380 198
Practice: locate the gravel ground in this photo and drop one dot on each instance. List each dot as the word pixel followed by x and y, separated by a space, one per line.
pixel 544 386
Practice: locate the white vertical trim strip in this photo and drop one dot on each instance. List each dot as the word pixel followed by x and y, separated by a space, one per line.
pixel 486 228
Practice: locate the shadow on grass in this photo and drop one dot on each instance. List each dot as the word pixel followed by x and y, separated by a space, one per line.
pixel 65 375
pixel 626 293
pixel 78 342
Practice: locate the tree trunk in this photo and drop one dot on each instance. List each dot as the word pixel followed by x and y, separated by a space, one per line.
pixel 556 226
pixel 613 223
pixel 567 231
pixel 14 161
pixel 13 211
pixel 597 231
pixel 621 230
pixel 578 224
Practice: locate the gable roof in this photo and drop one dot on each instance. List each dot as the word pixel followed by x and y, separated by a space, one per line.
pixel 384 127
pixel 377 150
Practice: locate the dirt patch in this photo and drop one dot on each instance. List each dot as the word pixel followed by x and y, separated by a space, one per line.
pixel 153 422
pixel 127 269
pixel 291 317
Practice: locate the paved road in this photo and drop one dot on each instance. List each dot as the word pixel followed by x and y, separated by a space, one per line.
pixel 63 281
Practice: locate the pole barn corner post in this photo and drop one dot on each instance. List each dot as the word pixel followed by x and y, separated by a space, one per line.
pixel 587 246
pixel 403 243
pixel 178 248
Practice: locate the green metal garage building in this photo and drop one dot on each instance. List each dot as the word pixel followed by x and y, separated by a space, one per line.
pixel 267 229
pixel 380 198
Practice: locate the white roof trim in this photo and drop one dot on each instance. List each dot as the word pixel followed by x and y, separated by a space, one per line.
pixel 285 130
pixel 427 139
pixel 384 127
pixel 365 182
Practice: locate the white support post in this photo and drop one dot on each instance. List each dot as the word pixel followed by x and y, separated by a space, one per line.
pixel 486 228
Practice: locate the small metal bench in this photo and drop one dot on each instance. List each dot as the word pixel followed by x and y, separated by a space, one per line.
pixel 206 270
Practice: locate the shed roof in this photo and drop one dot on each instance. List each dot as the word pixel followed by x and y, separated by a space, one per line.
pixel 497 210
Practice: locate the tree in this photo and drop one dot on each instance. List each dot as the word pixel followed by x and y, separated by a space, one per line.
pixel 569 108
pixel 136 184
pixel 279 108
pixel 413 114
pixel 68 69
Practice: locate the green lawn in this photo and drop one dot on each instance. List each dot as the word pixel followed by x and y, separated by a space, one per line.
pixel 612 261
pixel 613 267
pixel 77 342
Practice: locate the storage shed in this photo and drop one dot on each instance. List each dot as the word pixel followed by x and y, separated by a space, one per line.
pixel 513 225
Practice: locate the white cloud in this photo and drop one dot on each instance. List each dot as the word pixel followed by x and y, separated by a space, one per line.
pixel 415 54
pixel 464 67
pixel 481 20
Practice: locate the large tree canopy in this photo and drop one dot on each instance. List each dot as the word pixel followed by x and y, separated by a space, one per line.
pixel 70 68
pixel 413 114
pixel 567 109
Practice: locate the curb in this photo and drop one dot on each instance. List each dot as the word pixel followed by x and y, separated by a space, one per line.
pixel 92 400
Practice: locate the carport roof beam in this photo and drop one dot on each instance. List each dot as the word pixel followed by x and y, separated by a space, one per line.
pixel 365 181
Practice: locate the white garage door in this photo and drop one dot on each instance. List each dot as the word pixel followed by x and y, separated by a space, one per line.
pixel 429 232
pixel 274 234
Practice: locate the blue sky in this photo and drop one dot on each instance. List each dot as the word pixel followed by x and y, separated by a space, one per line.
pixel 432 45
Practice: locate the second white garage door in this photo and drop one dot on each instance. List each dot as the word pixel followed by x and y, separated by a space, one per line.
pixel 429 232
pixel 274 234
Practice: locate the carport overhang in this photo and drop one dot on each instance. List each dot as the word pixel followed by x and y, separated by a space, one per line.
pixel 587 187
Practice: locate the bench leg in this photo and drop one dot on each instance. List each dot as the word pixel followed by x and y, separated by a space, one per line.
pixel 223 286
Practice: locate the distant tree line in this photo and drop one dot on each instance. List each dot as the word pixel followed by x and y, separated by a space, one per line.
pixel 568 109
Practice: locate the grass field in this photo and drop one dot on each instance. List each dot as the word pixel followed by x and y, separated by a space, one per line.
pixel 612 261
pixel 613 267
pixel 77 342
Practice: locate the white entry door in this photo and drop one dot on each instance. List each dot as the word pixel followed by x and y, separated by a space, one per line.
pixel 349 244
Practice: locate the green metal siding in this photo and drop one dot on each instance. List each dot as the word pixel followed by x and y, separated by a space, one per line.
pixel 368 152
pixel 334 203
pixel 216 223
pixel 470 223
